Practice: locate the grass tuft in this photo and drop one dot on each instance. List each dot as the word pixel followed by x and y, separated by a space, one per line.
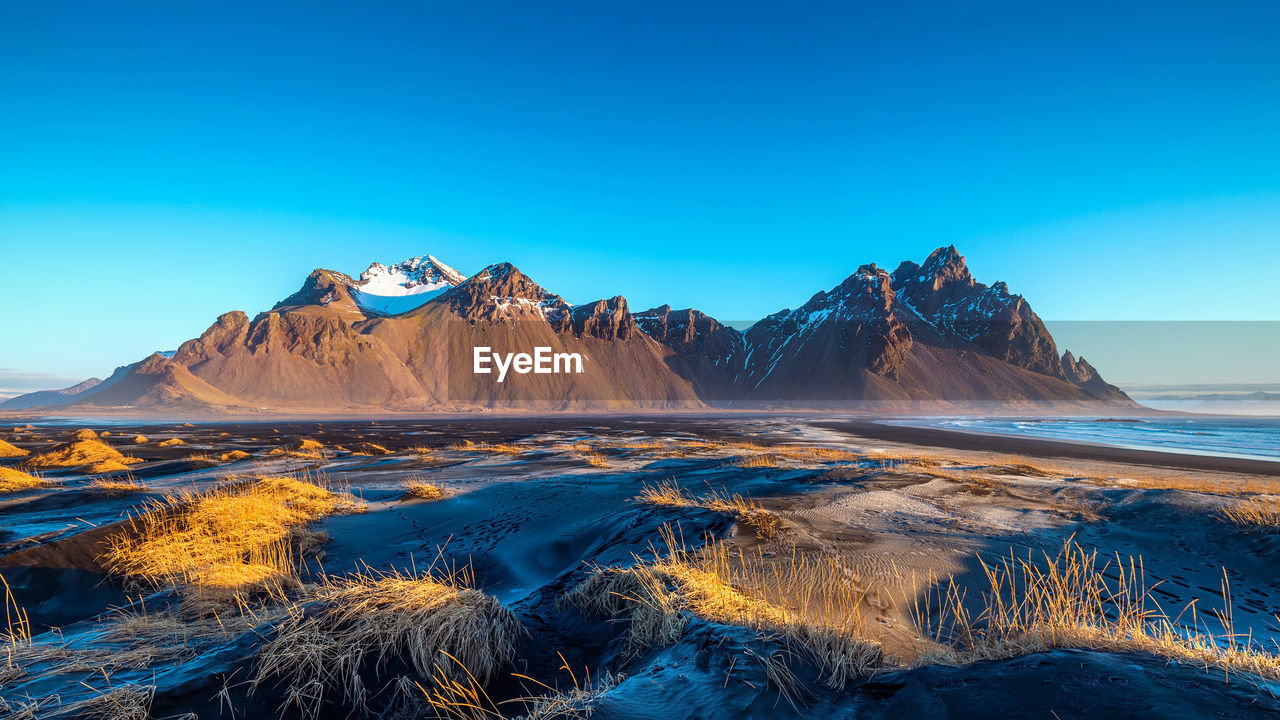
pixel 226 543
pixel 821 620
pixel 8 450
pixel 82 453
pixel 1254 514
pixel 1074 600
pixel 13 480
pixel 356 625
pixel 491 448
pixel 748 512
pixel 420 488
pixel 118 487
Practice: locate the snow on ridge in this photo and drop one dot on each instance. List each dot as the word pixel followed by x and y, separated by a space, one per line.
pixel 394 289
pixel 414 276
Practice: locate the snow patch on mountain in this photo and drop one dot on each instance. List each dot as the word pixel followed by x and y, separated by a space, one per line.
pixel 399 288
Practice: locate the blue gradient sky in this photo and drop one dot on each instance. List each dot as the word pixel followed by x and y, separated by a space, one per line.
pixel 162 163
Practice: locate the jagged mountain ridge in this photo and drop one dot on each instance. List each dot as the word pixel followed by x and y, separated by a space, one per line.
pixel 926 333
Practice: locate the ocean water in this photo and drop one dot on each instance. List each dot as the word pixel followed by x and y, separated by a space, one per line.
pixel 1241 437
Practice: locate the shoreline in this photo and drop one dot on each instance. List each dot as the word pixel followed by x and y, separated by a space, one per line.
pixel 1041 447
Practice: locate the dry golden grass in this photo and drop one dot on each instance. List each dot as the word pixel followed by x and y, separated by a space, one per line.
pixel 9 451
pixel 118 487
pixel 1226 486
pixel 105 467
pixel 466 699
pixel 821 618
pixel 233 456
pixel 15 640
pixel 80 453
pixel 814 604
pixel 171 442
pixel 123 702
pixel 1254 513
pixel 763 460
pixel 12 480
pixel 1075 601
pixel 224 544
pixel 368 448
pixel 595 459
pixel 357 624
pixel 772 456
pixel 140 439
pixel 491 448
pixel 420 488
pixel 201 460
pixel 747 511
pixel 307 449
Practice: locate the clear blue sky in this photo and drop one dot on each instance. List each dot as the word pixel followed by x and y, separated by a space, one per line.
pixel 162 163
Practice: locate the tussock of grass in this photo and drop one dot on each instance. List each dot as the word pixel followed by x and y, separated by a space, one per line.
pixel 171 442
pixel 307 449
pixel 12 480
pixel 8 450
pixel 763 460
pixel 1254 513
pixel 748 512
pixel 118 487
pixel 123 702
pixel 233 456
pixel 360 623
pixel 140 439
pixel 80 453
pixel 105 467
pixel 771 456
pixel 595 459
pixel 422 489
pixel 201 460
pixel 223 544
pixel 1073 600
pixel 368 448
pixel 491 448
pixel 822 621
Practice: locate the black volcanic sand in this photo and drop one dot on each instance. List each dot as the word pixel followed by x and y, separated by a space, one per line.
pixel 531 525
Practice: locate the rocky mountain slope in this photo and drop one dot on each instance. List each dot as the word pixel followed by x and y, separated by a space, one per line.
pixel 922 338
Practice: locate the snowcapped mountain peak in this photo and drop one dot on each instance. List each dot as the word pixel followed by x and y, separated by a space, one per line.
pixel 408 277
pixel 394 289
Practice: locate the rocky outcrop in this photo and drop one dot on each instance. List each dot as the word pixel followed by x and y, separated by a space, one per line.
pixel 1003 325
pixel 501 292
pixel 706 353
pixel 1081 373
pixel 604 319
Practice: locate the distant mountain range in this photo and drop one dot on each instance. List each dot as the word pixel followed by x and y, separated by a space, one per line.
pixel 400 339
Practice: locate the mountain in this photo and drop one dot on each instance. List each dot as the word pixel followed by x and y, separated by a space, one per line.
pixel 381 290
pixel 406 338
pixel 49 398
pixel 926 333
